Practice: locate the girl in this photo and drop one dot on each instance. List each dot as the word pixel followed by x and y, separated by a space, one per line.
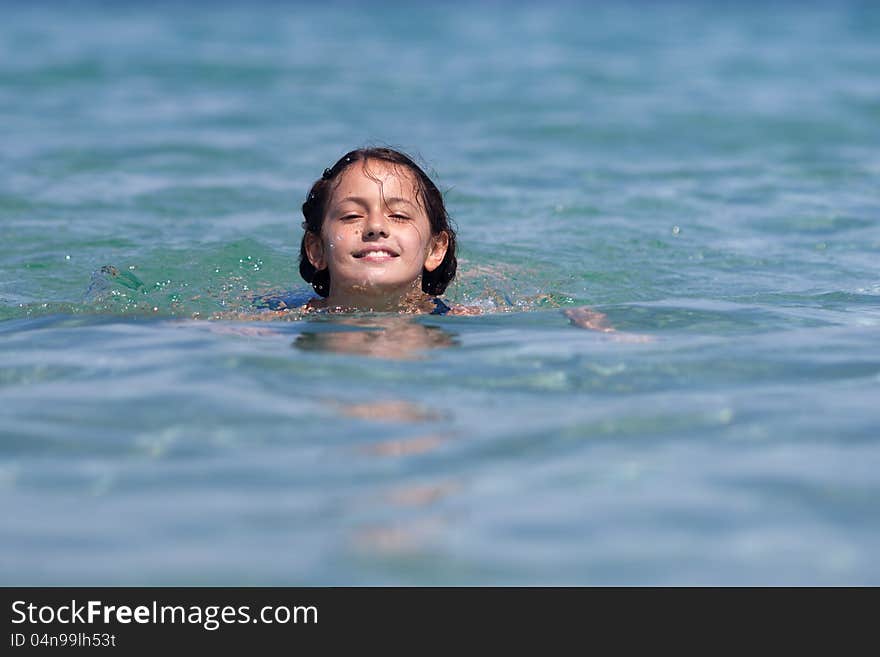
pixel 378 237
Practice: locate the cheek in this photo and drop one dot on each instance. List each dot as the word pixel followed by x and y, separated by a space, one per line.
pixel 417 241
pixel 338 241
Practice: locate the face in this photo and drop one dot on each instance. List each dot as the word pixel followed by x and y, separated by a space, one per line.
pixel 376 236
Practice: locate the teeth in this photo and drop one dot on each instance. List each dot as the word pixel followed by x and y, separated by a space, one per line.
pixel 376 253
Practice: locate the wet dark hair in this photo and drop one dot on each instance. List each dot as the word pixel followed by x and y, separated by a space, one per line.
pixel 315 206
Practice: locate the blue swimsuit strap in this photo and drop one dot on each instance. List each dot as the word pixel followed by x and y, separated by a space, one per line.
pixel 440 308
pixel 283 300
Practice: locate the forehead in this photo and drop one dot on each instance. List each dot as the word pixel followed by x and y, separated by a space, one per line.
pixel 372 177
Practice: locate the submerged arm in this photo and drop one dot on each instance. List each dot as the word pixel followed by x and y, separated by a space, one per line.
pixel 582 317
pixel 458 309
pixel 587 318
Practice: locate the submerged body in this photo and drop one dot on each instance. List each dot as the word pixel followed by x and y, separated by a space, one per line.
pixel 292 301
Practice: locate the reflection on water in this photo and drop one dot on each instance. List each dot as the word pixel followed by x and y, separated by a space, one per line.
pixel 422 495
pixel 406 447
pixel 412 533
pixel 393 338
pixel 400 540
pixel 388 410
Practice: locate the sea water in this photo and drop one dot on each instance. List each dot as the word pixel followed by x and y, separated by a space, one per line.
pixel 707 176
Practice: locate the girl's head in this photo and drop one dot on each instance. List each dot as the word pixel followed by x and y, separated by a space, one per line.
pixel 376 226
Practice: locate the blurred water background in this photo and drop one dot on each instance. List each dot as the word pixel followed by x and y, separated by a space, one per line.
pixel 706 174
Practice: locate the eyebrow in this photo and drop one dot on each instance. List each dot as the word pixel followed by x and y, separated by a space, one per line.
pixel 365 203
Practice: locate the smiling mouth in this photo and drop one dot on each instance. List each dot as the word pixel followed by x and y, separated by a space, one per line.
pixel 375 253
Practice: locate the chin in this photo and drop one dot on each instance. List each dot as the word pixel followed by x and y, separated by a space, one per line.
pixel 380 285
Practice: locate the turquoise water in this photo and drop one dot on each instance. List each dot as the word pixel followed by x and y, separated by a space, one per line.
pixel 705 175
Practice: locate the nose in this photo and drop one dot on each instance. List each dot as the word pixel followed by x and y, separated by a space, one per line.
pixel 376 226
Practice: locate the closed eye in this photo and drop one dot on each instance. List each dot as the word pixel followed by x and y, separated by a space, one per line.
pixel 400 217
pixel 349 217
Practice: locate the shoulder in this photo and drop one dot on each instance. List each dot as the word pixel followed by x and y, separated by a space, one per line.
pixel 315 304
pixel 458 309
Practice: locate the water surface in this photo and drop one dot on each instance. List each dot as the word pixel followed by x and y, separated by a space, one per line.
pixel 706 176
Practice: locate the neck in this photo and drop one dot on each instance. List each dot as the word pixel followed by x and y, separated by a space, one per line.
pixel 371 298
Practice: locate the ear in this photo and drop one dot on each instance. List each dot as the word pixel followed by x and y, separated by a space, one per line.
pixel 439 246
pixel 315 251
